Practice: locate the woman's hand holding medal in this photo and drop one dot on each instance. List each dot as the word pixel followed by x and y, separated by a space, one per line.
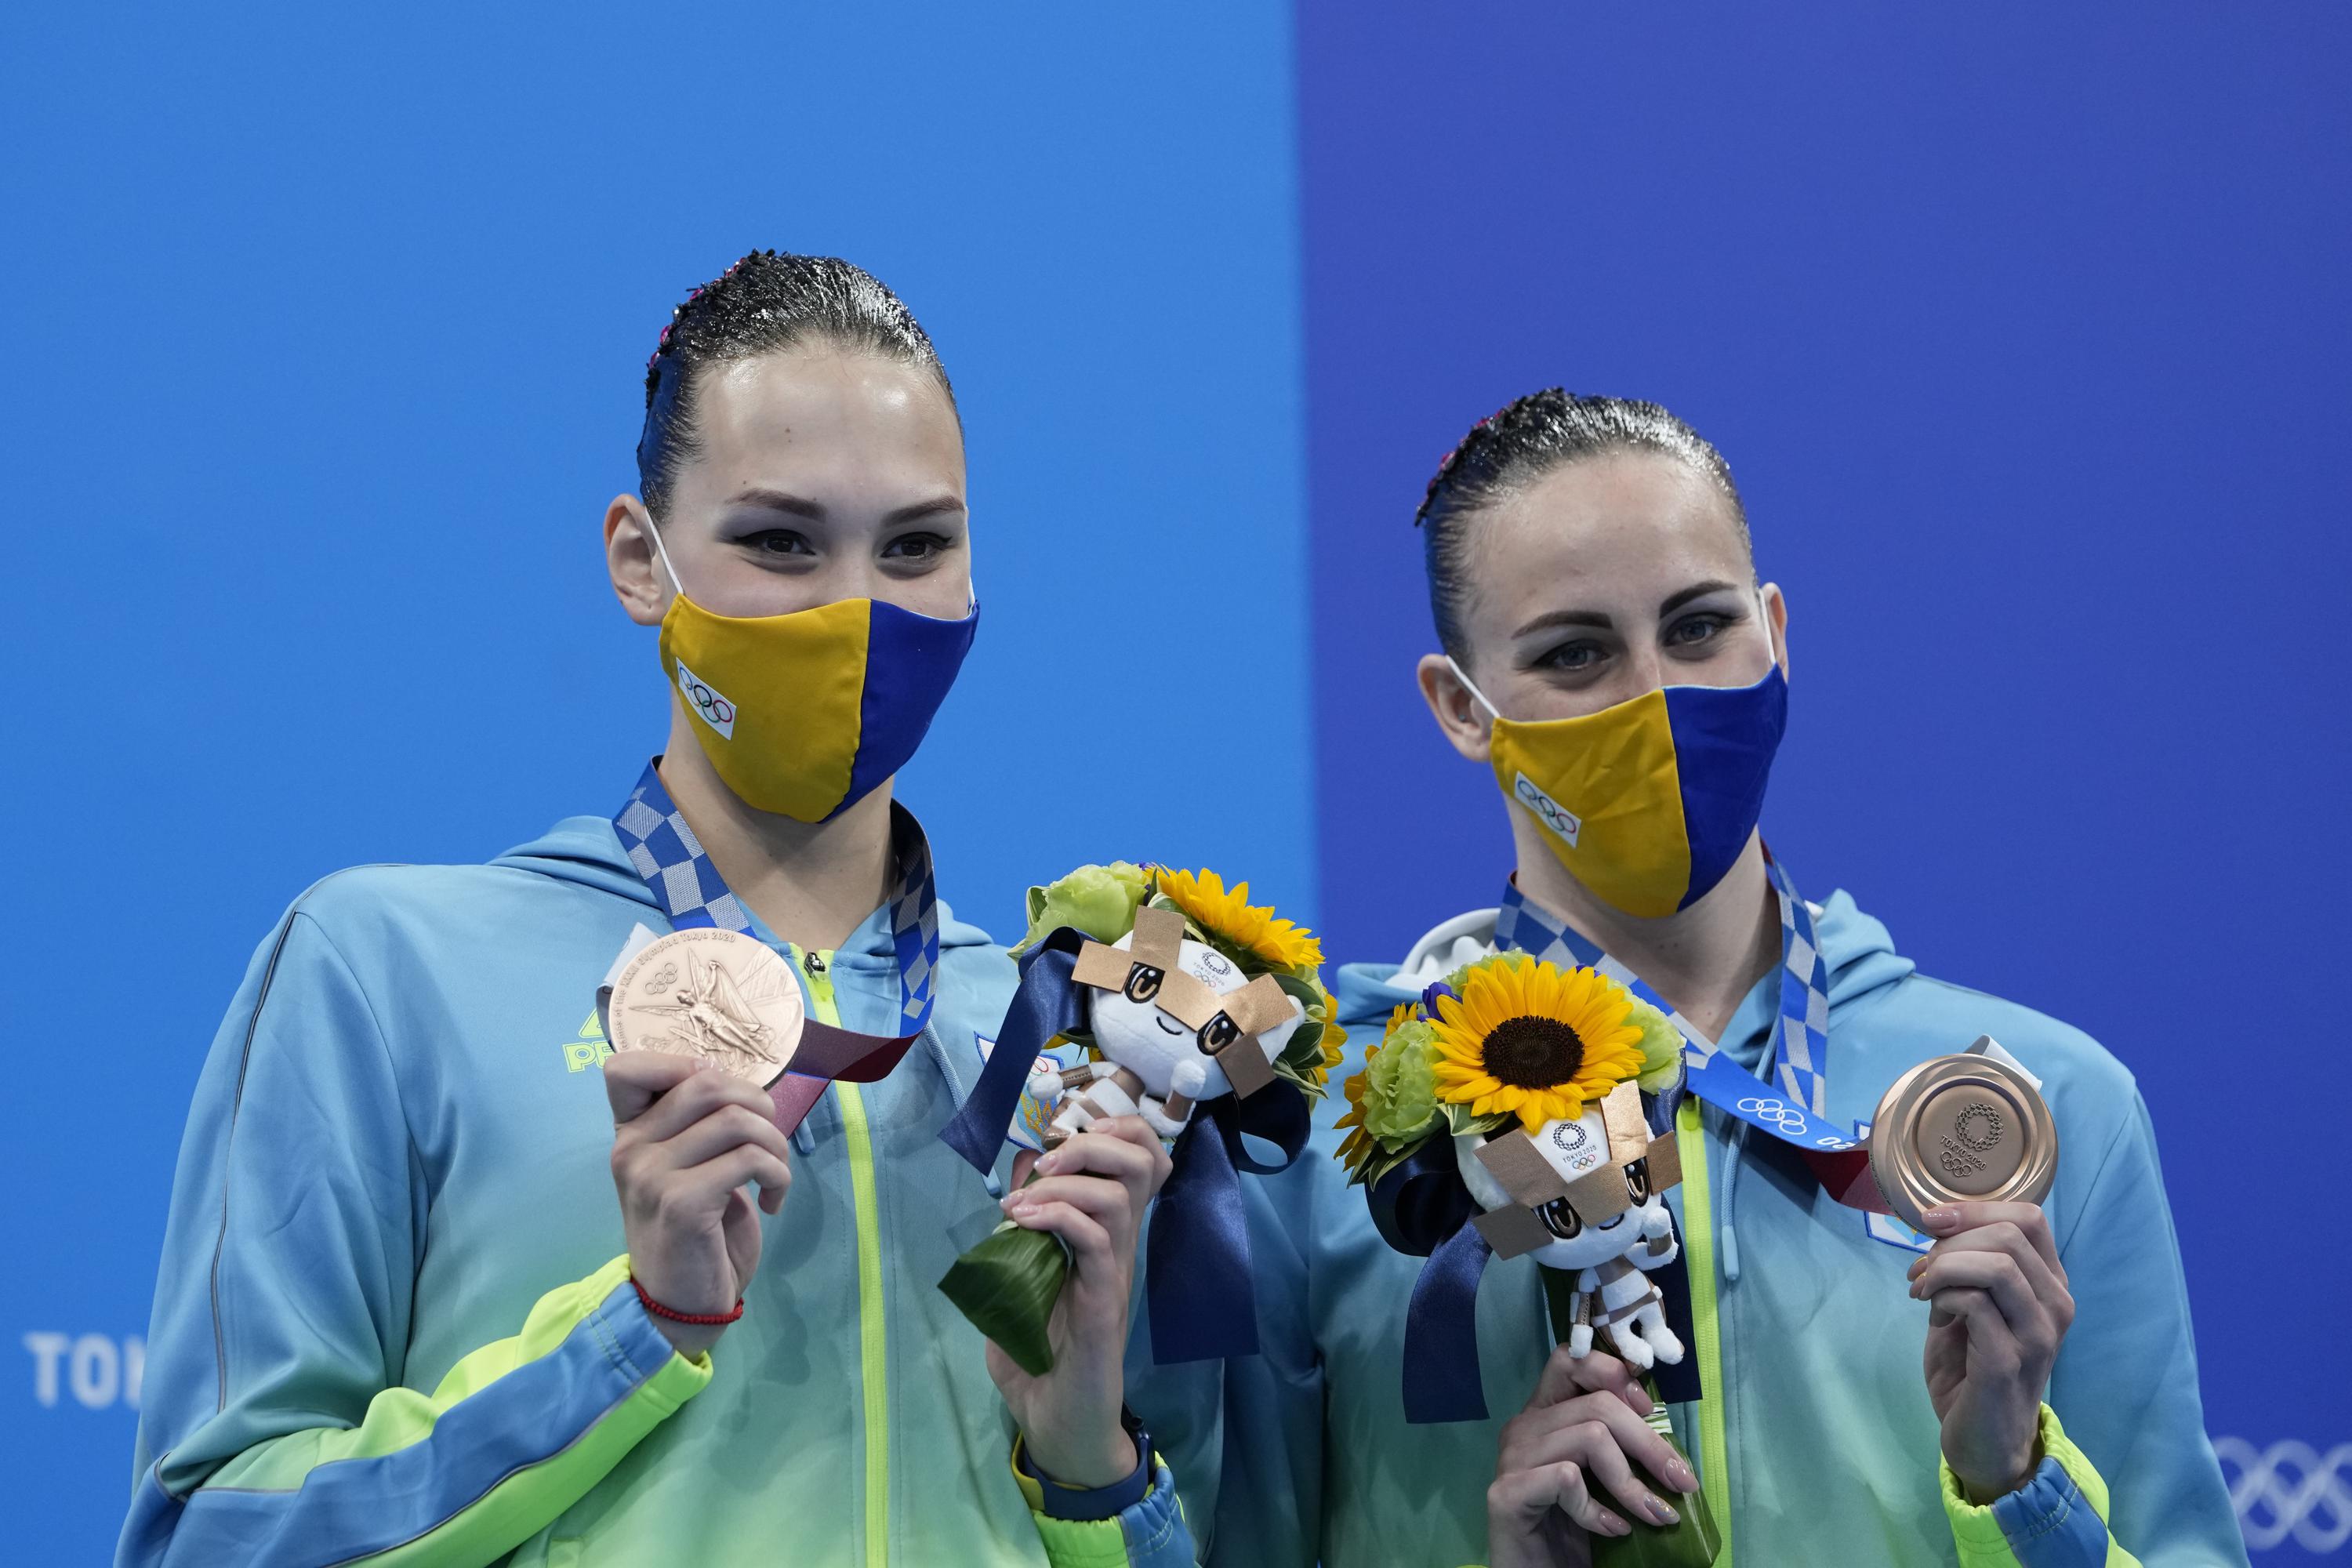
pixel 1091 1193
pixel 689 1138
pixel 2001 1310
pixel 1583 1422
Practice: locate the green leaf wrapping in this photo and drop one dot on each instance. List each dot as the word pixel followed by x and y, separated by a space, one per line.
pixel 1007 1286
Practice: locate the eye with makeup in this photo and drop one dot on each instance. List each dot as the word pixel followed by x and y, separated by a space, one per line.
pixel 1577 656
pixel 776 545
pixel 916 552
pixel 1697 634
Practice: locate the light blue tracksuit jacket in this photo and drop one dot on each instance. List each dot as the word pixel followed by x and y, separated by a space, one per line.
pixel 393 1324
pixel 1831 1446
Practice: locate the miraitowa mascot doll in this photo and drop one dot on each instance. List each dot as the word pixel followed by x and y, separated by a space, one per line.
pixel 1153 992
pixel 1523 1109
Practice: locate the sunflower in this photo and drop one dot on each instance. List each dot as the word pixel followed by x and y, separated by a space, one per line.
pixel 1230 921
pixel 1358 1148
pixel 1531 1038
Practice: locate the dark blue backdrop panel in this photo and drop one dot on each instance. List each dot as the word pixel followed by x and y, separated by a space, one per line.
pixel 2025 330
pixel 328 328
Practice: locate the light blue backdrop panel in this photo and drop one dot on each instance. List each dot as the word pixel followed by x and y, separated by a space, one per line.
pixel 2028 331
pixel 327 335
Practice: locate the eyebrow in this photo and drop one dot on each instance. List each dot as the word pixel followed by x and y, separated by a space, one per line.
pixel 1602 620
pixel 801 506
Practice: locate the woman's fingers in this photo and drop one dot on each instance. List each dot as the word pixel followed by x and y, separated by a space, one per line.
pixel 2030 1221
pixel 711 1182
pixel 2005 1239
pixel 693 1098
pixel 1999 1277
pixel 1601 1433
pixel 1994 1346
pixel 634 1079
pixel 1089 1243
pixel 1122 1148
pixel 723 1127
pixel 1520 1499
pixel 1597 1371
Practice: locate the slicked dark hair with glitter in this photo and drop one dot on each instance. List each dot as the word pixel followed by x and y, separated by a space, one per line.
pixel 1522 442
pixel 769 301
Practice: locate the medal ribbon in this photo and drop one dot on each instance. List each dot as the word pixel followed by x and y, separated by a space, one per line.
pixel 667 855
pixel 1791 1102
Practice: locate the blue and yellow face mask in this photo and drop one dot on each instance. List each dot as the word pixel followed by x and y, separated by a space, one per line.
pixel 804 715
pixel 1648 802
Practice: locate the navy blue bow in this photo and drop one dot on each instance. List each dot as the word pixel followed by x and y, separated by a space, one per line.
pixel 1048 1002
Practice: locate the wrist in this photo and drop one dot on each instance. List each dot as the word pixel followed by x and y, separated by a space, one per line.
pixel 691 1334
pixel 1082 1462
pixel 2011 1475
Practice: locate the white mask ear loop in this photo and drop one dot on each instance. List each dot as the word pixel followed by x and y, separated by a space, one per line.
pixel 654 533
pixel 1471 687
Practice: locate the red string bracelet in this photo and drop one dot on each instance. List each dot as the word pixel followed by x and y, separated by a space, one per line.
pixel 700 1320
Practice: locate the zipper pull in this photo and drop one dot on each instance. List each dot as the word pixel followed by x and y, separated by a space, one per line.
pixel 812 961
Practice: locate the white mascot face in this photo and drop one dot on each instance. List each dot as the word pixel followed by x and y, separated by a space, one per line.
pixel 1573 1149
pixel 1161 1051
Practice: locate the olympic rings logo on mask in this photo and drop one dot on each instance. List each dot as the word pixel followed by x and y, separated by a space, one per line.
pixel 1780 1113
pixel 715 710
pixel 2289 1490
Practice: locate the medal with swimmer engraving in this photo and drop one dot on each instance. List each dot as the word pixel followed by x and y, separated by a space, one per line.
pixel 1961 1129
pixel 705 991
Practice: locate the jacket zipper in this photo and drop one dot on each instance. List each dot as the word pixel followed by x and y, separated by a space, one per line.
pixel 1698 1229
pixel 872 1335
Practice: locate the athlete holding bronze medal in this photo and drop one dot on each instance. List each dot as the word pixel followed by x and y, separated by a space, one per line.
pixel 400 1316
pixel 2014 1386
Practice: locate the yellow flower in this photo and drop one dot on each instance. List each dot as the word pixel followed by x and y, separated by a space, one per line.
pixel 1397 1015
pixel 1530 1038
pixel 1358 1146
pixel 1228 918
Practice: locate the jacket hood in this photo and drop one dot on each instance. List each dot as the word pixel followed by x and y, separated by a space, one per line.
pixel 586 850
pixel 1861 953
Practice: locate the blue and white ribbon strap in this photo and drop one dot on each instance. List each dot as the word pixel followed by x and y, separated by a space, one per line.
pixel 1791 1102
pixel 666 853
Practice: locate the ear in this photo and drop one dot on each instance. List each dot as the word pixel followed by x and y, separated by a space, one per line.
pixel 638 580
pixel 1776 617
pixel 1459 715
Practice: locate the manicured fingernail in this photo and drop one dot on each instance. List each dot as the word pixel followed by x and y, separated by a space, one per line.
pixel 1940 1219
pixel 1913 1272
pixel 1661 1512
pixel 1048 1163
pixel 1610 1524
pixel 1014 1203
pixel 1683 1476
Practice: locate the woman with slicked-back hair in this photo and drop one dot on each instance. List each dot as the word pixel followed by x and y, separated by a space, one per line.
pixel 587 1207
pixel 2012 1385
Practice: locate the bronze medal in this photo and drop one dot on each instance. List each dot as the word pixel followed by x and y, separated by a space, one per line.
pixel 705 991
pixel 1960 1129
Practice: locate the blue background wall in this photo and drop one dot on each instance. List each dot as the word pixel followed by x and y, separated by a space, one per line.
pixel 2026 330
pixel 2025 333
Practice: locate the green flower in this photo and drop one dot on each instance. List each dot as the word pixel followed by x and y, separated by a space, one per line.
pixel 1662 1046
pixel 1099 901
pixel 1400 1088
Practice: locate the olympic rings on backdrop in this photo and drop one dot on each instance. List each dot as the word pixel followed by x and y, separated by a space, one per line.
pixel 2300 1493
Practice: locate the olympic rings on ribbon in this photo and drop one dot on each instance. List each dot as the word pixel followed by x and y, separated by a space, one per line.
pixel 1779 1112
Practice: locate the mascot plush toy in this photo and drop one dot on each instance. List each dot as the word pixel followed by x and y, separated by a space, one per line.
pixel 1160 994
